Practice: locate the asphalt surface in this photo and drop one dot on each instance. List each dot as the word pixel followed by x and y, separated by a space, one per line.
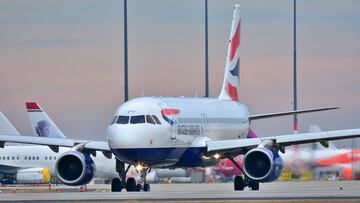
pixel 306 191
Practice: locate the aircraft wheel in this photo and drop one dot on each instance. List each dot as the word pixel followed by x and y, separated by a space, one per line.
pixel 239 183
pixel 146 187
pixel 254 185
pixel 130 184
pixel 116 185
pixel 138 187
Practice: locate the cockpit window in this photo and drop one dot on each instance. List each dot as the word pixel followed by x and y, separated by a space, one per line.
pixel 113 120
pixel 123 120
pixel 137 119
pixel 149 119
pixel 156 119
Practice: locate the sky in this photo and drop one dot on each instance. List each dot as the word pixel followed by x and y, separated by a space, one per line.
pixel 68 56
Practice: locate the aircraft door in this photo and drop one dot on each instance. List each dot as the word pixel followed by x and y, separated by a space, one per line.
pixel 174 127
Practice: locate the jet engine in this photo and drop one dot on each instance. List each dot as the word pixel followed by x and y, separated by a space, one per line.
pixel 262 164
pixel 33 176
pixel 75 168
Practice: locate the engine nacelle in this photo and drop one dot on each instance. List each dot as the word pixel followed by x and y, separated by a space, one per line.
pixel 33 176
pixel 262 164
pixel 75 168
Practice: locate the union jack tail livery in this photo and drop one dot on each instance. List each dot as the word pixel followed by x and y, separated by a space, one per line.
pixel 230 88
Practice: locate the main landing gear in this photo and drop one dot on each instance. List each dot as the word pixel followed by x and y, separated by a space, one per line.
pixel 240 182
pixel 130 185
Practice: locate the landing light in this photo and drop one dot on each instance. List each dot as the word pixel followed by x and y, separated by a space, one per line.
pixel 139 167
pixel 216 156
pixel 205 157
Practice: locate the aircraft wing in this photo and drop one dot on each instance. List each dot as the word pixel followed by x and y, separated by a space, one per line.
pixel 238 145
pixel 9 168
pixel 286 113
pixel 54 143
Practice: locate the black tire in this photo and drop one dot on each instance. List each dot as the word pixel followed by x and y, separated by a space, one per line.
pixel 254 185
pixel 116 185
pixel 130 184
pixel 239 183
pixel 146 187
pixel 138 187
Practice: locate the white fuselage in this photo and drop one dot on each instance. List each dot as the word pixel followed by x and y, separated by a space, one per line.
pixel 180 140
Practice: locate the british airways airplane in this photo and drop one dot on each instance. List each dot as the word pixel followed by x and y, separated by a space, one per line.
pixel 177 132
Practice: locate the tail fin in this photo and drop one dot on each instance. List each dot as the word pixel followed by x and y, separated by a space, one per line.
pixel 231 85
pixel 41 124
pixel 251 134
pixel 6 127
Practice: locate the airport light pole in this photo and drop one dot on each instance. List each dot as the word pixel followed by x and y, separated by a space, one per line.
pixel 206 52
pixel 126 85
pixel 295 126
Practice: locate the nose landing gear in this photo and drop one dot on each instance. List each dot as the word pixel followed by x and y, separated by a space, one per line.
pixel 144 185
pixel 130 185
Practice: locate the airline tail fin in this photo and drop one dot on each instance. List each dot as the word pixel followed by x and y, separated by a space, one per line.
pixel 231 85
pixel 6 127
pixel 41 124
pixel 251 134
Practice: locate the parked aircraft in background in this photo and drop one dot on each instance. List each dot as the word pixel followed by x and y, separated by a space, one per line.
pixel 29 164
pixel 177 132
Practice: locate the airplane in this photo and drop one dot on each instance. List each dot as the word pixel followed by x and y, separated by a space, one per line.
pixel 30 164
pixel 42 125
pixel 10 169
pixel 180 132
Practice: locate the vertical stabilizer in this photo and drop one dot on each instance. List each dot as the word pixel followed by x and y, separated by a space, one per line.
pixel 41 124
pixel 6 127
pixel 230 88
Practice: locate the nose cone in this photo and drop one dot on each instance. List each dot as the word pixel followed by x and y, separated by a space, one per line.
pixel 121 136
pixel 136 144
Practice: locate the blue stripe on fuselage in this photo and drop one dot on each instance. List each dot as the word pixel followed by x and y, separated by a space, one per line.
pixel 185 157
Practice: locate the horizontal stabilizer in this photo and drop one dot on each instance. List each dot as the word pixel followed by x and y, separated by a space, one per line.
pixel 286 113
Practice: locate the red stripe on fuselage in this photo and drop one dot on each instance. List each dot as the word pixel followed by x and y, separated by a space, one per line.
pixel 232 92
pixel 235 41
pixel 31 106
pixel 169 111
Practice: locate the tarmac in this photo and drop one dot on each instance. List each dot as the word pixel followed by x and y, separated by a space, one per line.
pixel 305 191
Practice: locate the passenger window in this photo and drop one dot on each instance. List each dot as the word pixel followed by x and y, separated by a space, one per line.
pixel 8 158
pixel 46 158
pixel 156 119
pixel 50 157
pixel 13 158
pixel 37 158
pixel 113 120
pixel 17 158
pixel 123 120
pixel 149 119
pixel 54 157
pixel 25 158
pixel 137 119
